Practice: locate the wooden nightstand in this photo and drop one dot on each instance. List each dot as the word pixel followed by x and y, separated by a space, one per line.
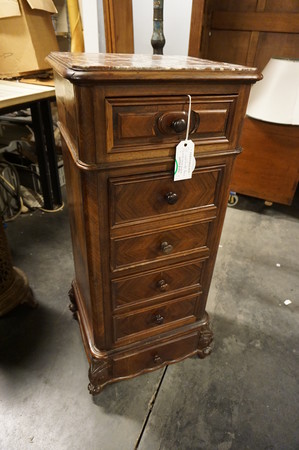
pixel 144 245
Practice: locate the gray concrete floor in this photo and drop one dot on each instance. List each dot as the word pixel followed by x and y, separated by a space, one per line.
pixel 244 396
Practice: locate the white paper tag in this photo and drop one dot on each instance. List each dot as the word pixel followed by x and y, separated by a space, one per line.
pixel 184 160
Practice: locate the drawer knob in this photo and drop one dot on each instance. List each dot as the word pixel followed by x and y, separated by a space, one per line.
pixel 157 359
pixel 179 125
pixel 171 198
pixel 162 285
pixel 158 319
pixel 166 248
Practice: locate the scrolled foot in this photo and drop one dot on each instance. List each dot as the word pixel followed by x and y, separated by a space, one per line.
pixel 73 305
pixel 98 375
pixel 94 390
pixel 204 352
pixel 205 341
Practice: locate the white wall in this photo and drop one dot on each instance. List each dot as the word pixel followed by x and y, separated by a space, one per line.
pixel 177 16
pixel 90 22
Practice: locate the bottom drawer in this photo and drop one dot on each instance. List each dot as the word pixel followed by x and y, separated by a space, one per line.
pixel 153 357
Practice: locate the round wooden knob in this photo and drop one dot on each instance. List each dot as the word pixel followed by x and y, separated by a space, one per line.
pixel 166 248
pixel 157 359
pixel 179 125
pixel 171 198
pixel 158 319
pixel 162 285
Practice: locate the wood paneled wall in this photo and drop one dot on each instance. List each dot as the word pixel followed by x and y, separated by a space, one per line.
pixel 250 32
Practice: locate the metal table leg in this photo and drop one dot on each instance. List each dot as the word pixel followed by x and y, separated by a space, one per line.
pixel 42 157
pixel 45 147
pixel 50 143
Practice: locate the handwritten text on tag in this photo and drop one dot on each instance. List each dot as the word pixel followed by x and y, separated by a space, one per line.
pixel 184 160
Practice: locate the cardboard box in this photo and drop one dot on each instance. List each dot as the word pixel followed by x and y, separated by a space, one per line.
pixel 27 36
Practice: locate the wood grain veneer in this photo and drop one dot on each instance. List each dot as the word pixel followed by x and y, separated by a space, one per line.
pixel 145 246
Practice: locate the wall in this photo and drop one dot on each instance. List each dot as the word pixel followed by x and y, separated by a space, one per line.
pixel 177 15
pixel 91 21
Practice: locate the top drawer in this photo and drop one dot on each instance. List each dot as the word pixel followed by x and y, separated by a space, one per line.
pixel 159 121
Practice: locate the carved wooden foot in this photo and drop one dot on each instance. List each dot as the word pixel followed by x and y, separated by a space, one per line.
pixel 205 341
pixel 98 375
pixel 73 304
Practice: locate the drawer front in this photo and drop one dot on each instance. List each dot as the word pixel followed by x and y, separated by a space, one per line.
pixel 139 197
pixel 155 285
pixel 151 358
pixel 135 122
pixel 157 318
pixel 161 245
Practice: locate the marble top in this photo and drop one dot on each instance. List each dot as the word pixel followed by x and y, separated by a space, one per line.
pixel 91 67
pixel 124 62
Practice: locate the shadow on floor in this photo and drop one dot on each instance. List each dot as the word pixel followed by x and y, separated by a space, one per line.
pixel 24 333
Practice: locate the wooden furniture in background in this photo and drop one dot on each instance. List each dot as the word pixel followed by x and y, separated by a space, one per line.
pixel 269 167
pixel 197 17
pixel 118 19
pixel 251 32
pixel 145 246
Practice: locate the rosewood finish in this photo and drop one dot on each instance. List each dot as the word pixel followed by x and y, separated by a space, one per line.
pixel 145 246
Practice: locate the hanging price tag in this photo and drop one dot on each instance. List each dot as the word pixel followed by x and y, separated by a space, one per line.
pixel 184 154
pixel 184 160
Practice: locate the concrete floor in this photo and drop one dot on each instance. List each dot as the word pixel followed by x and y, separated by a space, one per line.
pixel 244 396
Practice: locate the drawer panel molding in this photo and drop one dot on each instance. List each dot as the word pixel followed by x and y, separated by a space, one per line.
pixel 141 197
pixel 156 319
pixel 168 244
pixel 150 122
pixel 155 285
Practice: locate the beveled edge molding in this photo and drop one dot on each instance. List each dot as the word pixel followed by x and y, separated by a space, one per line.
pixel 78 72
pixel 72 149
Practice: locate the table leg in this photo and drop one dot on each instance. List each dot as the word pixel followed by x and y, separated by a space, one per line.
pixel 47 160
pixel 42 156
pixel 50 143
